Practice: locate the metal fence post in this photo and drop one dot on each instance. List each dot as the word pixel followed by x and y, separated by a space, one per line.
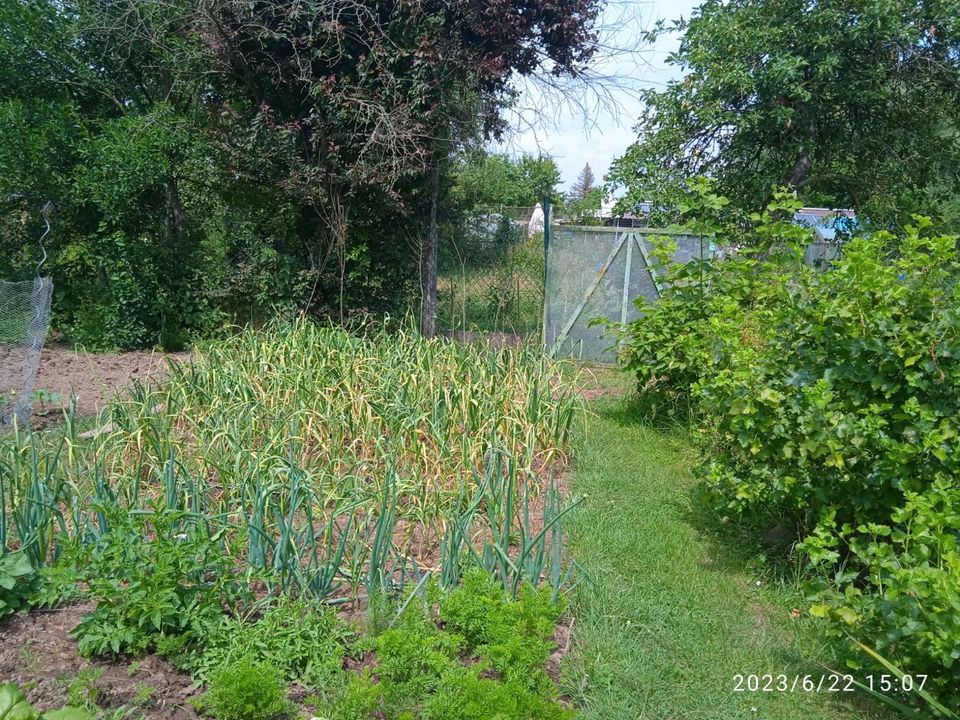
pixel 546 274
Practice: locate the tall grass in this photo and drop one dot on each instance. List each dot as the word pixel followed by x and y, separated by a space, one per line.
pixel 334 463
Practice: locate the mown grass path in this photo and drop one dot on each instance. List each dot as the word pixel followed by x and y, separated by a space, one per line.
pixel 669 612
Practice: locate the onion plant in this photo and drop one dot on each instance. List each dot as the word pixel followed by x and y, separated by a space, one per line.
pixel 339 463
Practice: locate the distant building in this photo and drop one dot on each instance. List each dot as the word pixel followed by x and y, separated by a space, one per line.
pixel 535 224
pixel 826 224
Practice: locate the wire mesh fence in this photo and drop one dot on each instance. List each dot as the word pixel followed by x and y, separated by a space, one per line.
pixel 491 272
pixel 24 318
pixel 594 276
pixel 498 276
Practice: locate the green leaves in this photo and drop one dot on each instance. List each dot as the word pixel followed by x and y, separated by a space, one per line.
pixel 480 654
pixel 301 640
pixel 14 706
pixel 246 690
pixel 484 179
pixel 18 581
pixel 831 399
pixel 157 576
pixel 204 161
pixel 855 106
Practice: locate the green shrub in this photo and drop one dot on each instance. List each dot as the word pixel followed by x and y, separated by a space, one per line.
pixel 711 315
pixel 851 403
pixel 412 659
pixel 245 690
pixel 847 423
pixel 483 656
pixel 360 699
pixel 509 636
pixel 828 401
pixel 466 695
pixel 899 585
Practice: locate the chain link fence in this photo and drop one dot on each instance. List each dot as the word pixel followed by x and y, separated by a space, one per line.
pixel 491 271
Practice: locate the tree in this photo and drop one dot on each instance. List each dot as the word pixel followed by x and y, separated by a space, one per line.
pixel 853 104
pixel 584 184
pixel 488 179
pixel 100 105
pixel 586 210
pixel 540 178
pixel 214 157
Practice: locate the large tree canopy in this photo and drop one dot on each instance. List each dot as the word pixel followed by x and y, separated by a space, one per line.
pixel 854 103
pixel 213 159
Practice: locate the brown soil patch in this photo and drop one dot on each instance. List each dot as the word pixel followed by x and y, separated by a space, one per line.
pixel 37 654
pixel 93 378
pixel 562 636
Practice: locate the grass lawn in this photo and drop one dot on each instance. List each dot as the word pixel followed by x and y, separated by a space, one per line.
pixel 669 612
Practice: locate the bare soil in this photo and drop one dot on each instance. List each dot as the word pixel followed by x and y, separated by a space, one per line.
pixel 93 379
pixel 37 654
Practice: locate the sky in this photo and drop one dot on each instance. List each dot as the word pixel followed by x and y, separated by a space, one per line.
pixel 573 139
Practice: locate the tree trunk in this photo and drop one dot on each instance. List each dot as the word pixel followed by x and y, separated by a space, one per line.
pixel 799 172
pixel 428 261
pixel 175 214
pixel 797 175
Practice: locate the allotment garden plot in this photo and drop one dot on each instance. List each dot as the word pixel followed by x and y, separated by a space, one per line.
pixel 331 463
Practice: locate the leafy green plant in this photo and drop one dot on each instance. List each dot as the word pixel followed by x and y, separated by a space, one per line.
pixel 511 637
pixel 144 695
pixel 155 577
pixel 361 698
pixel 845 422
pixel 412 657
pixel 827 400
pixel 710 314
pixel 245 690
pixel 82 690
pixel 896 584
pixel 907 705
pixel 14 706
pixel 482 654
pixel 45 397
pixel 60 582
pixel 467 695
pixel 18 581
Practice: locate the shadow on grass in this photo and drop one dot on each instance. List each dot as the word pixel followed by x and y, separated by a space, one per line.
pixel 633 411
pixel 740 541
